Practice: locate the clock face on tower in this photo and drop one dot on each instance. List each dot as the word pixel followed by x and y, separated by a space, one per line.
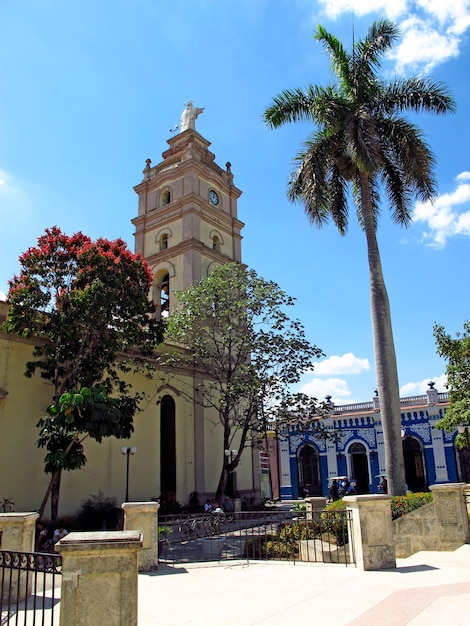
pixel 213 197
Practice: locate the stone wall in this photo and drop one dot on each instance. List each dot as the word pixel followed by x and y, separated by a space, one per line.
pixel 440 525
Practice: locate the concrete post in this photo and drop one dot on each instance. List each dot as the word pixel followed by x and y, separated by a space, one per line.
pixel 143 516
pixel 467 497
pixel 373 543
pixel 99 578
pixel 451 517
pixel 314 506
pixel 17 533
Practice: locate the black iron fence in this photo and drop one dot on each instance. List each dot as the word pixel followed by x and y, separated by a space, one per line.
pixel 29 588
pixel 293 536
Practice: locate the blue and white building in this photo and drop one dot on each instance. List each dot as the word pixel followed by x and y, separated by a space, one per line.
pixel 307 461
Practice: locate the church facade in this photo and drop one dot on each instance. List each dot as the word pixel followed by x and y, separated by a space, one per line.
pixel 186 224
pixel 307 462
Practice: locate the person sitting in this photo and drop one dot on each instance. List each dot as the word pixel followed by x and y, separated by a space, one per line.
pixel 208 506
pixel 227 505
pixel 216 508
pixel 59 533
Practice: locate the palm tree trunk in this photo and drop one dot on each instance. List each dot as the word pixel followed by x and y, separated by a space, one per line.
pixel 384 351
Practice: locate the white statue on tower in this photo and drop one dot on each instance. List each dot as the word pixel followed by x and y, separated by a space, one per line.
pixel 188 117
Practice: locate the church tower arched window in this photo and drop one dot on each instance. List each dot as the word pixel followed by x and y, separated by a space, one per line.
pixel 164 241
pixel 166 196
pixel 165 296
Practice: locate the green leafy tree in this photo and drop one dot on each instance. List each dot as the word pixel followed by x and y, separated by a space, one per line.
pixel 363 143
pixel 85 304
pixel 236 334
pixel 456 351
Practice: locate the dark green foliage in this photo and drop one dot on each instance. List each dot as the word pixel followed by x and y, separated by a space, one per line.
pixel 456 351
pixel 88 412
pixel 100 513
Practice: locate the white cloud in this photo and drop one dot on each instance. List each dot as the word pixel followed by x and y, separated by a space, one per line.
pixel 442 217
pixel 346 364
pixel 3 177
pixel 423 47
pixel 3 296
pixel 334 8
pixel 337 388
pixel 432 29
pixel 419 388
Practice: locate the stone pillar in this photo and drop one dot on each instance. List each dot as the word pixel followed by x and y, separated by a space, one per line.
pixel 372 529
pixel 467 497
pixel 450 515
pixel 143 516
pixel 17 533
pixel 99 578
pixel 314 506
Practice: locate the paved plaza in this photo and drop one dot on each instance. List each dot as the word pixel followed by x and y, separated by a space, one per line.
pixel 425 589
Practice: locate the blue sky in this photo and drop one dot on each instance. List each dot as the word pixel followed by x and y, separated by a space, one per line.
pixel 90 90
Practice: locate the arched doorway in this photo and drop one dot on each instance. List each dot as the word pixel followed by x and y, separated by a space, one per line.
pixel 167 450
pixel 414 465
pixel 308 464
pixel 463 461
pixel 359 467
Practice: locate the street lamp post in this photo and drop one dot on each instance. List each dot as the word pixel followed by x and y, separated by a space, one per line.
pixel 231 454
pixel 128 451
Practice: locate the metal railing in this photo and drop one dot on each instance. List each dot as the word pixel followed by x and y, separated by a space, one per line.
pixel 293 536
pixel 29 592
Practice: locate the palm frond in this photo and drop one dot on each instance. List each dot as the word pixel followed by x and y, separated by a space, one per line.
pixel 404 144
pixel 398 195
pixel 337 200
pixel 340 58
pixel 316 180
pixel 291 105
pixel 368 53
pixel 416 94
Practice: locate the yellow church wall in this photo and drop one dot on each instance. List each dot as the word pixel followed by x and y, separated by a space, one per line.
pixel 22 476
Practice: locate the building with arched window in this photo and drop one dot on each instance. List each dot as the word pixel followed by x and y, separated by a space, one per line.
pixel 186 224
pixel 304 461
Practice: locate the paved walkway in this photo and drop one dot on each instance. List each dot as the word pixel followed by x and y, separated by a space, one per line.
pixel 425 589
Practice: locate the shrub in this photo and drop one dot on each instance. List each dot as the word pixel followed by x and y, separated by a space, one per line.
pixel 99 513
pixel 334 521
pixel 270 547
pixel 168 504
pixel 401 505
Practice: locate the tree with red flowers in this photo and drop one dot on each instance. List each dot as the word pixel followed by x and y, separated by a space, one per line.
pixel 85 303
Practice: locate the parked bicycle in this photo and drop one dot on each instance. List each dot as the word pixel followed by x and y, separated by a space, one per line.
pixel 215 521
pixel 192 527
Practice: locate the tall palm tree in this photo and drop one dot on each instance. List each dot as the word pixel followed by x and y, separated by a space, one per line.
pixel 363 143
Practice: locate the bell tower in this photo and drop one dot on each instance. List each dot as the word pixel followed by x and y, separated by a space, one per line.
pixel 187 218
